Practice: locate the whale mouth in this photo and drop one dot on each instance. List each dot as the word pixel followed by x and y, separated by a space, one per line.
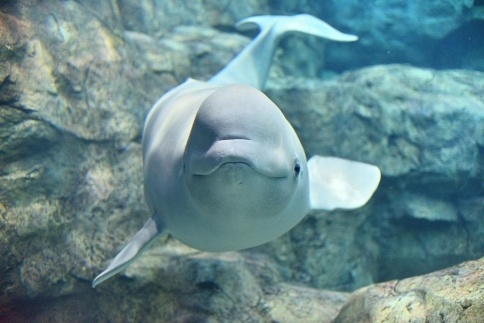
pixel 234 193
pixel 267 162
pixel 209 166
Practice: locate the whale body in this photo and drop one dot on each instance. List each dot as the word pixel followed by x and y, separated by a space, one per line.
pixel 223 168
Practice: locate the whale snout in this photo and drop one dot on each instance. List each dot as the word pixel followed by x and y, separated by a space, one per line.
pixel 267 161
pixel 232 175
pixel 234 190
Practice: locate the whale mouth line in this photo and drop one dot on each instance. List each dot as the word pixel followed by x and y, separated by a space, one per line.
pixel 233 150
pixel 237 161
pixel 225 138
pixel 230 161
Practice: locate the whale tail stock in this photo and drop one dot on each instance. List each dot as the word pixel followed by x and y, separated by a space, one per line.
pixel 251 65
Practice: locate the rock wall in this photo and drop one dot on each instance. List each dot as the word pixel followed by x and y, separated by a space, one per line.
pixel 424 129
pixel 435 34
pixel 452 295
pixel 76 80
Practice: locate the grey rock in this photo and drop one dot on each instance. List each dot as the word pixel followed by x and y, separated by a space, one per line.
pixel 73 95
pixel 22 135
pixel 434 34
pixel 472 212
pixel 75 83
pixel 451 295
pixel 437 34
pixel 409 121
pixel 328 250
pixel 420 206
pixel 189 51
pixel 160 16
pixel 66 61
pixel 174 283
pixel 426 136
pixel 69 123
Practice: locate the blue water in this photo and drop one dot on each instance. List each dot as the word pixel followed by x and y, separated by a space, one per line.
pixel 77 79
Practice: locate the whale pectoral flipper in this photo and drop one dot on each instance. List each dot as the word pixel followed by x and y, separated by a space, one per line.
pixel 340 183
pixel 141 241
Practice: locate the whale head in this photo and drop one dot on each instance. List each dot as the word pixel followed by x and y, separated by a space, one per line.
pixel 244 167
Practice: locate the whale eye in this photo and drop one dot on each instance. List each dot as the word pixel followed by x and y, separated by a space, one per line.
pixel 297 169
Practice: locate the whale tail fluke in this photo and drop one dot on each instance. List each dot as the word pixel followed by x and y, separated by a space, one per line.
pixel 303 23
pixel 251 65
pixel 141 241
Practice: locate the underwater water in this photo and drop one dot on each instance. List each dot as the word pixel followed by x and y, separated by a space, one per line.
pixel 78 79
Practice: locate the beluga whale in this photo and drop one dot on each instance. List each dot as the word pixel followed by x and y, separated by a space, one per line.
pixel 223 168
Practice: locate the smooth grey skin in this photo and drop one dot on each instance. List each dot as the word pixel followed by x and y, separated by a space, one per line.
pixel 251 65
pixel 223 168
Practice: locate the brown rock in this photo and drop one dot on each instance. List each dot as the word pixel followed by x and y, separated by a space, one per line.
pixel 455 294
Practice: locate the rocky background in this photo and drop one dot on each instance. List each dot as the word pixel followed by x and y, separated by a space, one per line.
pixel 77 79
